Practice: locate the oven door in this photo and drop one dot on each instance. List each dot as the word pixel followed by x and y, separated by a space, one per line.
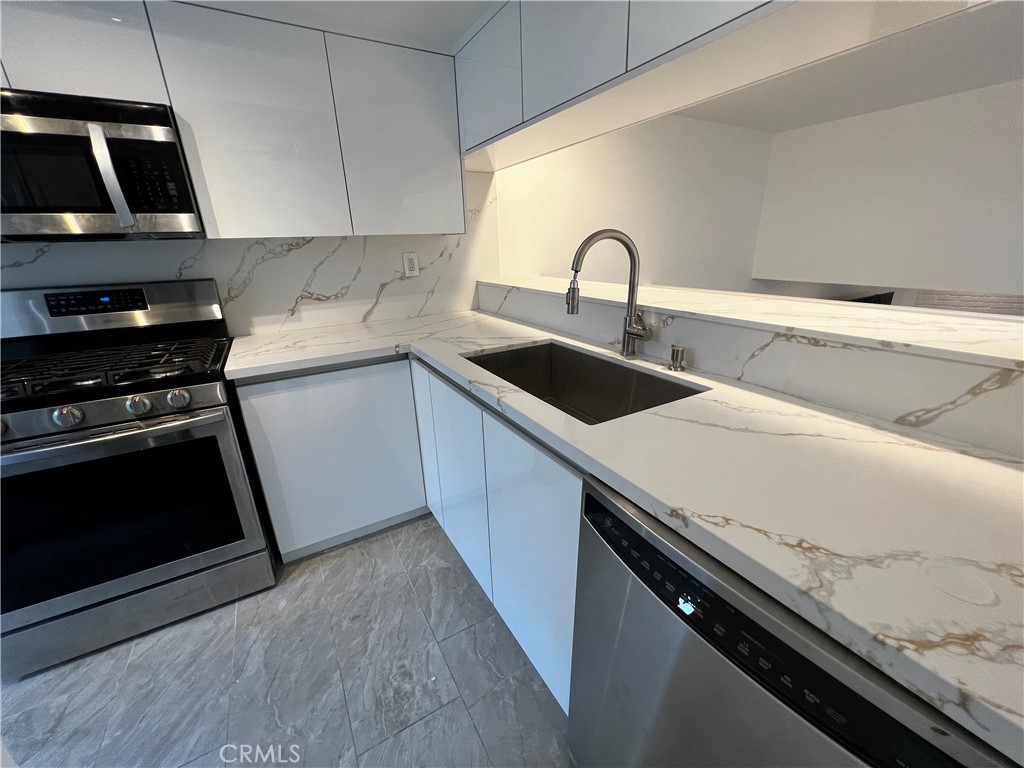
pixel 102 515
pixel 79 178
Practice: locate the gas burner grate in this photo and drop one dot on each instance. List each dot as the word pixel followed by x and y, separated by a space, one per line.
pixel 69 371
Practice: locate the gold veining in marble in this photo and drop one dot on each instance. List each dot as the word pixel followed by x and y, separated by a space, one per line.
pixel 509 292
pixel 827 566
pixel 41 251
pixel 189 262
pixel 795 338
pixel 984 645
pixel 1003 377
pixel 308 294
pixel 447 253
pixel 243 275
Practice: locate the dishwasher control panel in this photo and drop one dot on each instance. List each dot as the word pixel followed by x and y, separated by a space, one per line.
pixel 849 718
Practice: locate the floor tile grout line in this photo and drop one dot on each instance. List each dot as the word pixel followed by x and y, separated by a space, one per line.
pixel 437 642
pixel 462 696
pixel 419 600
pixel 418 719
pixel 341 675
pixel 476 728
pixel 106 724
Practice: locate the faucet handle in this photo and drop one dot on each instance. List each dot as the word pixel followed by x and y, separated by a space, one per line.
pixel 638 328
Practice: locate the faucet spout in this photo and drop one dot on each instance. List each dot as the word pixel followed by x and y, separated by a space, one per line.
pixel 634 327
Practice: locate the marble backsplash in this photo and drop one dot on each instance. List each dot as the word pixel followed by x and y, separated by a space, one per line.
pixel 281 284
pixel 982 405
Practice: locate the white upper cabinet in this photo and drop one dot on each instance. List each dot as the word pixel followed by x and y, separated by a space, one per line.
pixel 569 48
pixel 400 137
pixel 658 26
pixel 254 104
pixel 83 48
pixel 489 76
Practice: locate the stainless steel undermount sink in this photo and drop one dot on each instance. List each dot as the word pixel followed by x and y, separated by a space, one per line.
pixel 588 387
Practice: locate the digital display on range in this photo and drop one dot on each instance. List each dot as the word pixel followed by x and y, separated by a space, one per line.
pixel 96 302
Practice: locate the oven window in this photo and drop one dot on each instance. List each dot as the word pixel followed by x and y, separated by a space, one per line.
pixel 84 524
pixel 43 173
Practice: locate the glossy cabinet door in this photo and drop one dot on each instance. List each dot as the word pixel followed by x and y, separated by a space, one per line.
pixel 489 76
pixel 658 26
pixel 254 105
pixel 84 48
pixel 400 137
pixel 458 435
pixel 425 427
pixel 569 48
pixel 534 508
pixel 337 453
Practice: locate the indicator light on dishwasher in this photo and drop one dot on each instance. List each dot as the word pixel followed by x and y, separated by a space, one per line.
pixel 685 606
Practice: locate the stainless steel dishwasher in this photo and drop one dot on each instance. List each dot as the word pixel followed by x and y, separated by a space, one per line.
pixel 677 661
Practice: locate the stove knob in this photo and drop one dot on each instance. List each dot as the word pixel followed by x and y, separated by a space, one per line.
pixel 67 416
pixel 138 405
pixel 179 398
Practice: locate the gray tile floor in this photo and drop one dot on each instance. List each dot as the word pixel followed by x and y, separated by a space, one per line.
pixel 384 652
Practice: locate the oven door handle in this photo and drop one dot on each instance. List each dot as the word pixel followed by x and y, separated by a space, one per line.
pixel 60 450
pixel 101 152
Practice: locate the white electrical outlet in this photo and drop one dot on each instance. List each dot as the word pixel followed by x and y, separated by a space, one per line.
pixel 411 264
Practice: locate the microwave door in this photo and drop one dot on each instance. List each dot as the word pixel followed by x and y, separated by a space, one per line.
pixel 50 174
pixel 91 180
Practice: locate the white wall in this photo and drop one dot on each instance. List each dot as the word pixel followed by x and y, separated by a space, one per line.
pixel 689 193
pixel 927 195
pixel 272 284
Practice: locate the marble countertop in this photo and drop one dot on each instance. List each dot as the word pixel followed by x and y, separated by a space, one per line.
pixel 971 337
pixel 903 547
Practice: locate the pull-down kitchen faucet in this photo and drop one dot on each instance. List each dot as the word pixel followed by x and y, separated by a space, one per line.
pixel 633 326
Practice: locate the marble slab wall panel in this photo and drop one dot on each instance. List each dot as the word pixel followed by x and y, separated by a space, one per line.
pixel 978 404
pixel 275 284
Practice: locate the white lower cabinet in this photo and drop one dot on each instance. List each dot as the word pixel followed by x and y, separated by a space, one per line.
pixel 512 511
pixel 337 453
pixel 533 503
pixel 425 427
pixel 459 439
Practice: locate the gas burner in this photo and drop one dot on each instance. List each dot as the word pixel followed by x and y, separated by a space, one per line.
pixel 156 372
pixel 26 378
pixel 53 386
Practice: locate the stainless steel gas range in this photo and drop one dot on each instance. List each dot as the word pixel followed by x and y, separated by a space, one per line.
pixel 126 503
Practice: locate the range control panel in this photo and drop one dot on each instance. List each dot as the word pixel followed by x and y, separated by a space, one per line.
pixel 96 302
pixel 849 718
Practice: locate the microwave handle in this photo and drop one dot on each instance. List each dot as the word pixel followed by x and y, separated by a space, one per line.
pixel 101 152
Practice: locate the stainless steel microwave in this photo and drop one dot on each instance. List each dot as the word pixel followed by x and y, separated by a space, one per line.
pixel 84 168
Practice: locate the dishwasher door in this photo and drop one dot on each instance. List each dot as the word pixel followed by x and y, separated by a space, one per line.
pixel 649 691
pixel 678 661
